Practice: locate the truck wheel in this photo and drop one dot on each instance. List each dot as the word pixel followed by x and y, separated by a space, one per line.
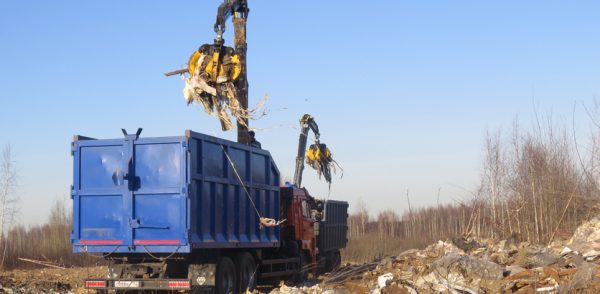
pixel 225 278
pixel 333 261
pixel 329 262
pixel 246 268
pixel 337 260
pixel 302 275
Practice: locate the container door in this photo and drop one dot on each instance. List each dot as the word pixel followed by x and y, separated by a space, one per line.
pixel 159 203
pixel 100 193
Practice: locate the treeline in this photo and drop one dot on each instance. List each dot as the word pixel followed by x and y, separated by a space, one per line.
pixel 535 186
pixel 47 243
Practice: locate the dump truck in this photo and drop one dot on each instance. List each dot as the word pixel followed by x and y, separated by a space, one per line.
pixel 194 213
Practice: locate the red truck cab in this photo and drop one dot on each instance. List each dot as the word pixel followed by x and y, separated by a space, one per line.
pixel 300 225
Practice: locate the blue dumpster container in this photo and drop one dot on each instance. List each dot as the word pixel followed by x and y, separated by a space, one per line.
pixel 171 194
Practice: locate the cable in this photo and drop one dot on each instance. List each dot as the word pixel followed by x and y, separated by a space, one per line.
pixel 266 222
pixel 241 181
pixel 101 256
pixel 161 258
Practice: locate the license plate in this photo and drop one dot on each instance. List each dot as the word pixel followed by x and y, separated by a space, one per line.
pixel 127 284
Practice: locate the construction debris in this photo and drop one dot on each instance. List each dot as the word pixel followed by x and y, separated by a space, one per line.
pixel 384 280
pixel 283 289
pixel 460 265
pixel 586 239
pixel 468 265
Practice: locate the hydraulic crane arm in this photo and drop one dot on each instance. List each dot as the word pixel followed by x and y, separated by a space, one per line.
pixel 218 73
pixel 238 8
pixel 306 122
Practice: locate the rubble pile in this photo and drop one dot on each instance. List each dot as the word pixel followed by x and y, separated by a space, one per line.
pixel 467 265
pixel 459 265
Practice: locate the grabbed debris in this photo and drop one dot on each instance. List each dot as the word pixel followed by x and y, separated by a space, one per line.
pixel 318 156
pixel 213 71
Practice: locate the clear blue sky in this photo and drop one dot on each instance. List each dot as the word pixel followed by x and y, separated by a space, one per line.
pixel 403 90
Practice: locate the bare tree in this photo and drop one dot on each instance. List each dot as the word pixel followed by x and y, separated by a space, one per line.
pixel 493 176
pixel 8 195
pixel 363 215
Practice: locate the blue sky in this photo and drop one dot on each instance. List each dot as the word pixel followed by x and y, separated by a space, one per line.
pixel 403 91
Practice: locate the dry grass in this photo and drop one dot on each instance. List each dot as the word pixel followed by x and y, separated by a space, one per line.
pixel 50 242
pixel 370 247
pixel 536 185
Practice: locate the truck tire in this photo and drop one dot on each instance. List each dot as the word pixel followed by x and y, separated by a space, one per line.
pixel 225 277
pixel 337 260
pixel 302 275
pixel 333 260
pixel 329 257
pixel 246 269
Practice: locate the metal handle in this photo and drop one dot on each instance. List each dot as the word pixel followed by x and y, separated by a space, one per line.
pixel 127 175
pixel 135 223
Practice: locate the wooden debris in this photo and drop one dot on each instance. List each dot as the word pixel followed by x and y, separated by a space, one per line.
pixel 44 263
pixel 176 72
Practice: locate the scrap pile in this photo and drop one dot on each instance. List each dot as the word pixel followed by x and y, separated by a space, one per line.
pixel 472 266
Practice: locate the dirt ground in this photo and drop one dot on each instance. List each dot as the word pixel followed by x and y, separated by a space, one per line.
pixel 458 265
pixel 48 280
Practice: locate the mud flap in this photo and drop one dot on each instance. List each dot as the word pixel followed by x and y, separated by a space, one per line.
pixel 202 274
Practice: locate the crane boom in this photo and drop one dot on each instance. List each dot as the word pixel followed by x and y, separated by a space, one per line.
pixel 306 122
pixel 223 75
pixel 239 10
pixel 236 8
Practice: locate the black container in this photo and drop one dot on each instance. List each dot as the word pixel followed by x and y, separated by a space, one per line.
pixel 333 228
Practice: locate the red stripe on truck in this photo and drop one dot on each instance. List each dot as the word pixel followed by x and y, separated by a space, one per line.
pixel 101 242
pixel 156 242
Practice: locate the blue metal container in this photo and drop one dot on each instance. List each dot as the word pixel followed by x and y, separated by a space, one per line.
pixel 171 194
